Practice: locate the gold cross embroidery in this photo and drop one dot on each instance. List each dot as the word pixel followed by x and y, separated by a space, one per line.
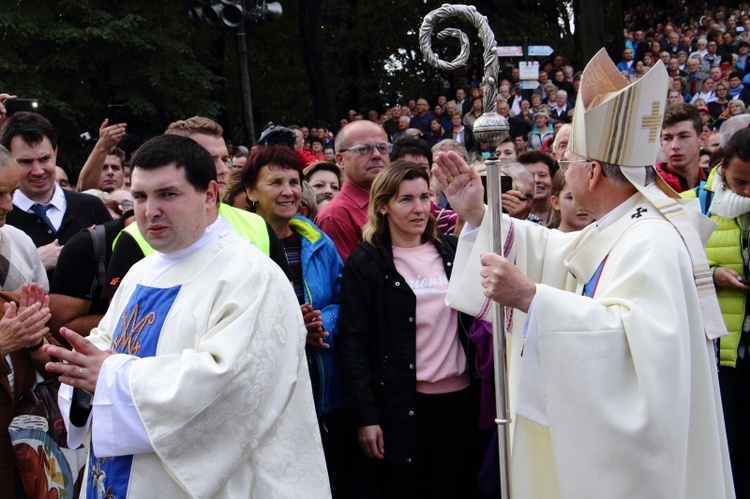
pixel 652 122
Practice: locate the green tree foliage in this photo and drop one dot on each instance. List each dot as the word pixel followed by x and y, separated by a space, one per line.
pixel 78 56
pixel 320 59
pixel 325 57
pixel 370 50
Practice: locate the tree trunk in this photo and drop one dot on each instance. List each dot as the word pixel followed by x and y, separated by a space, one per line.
pixel 309 21
pixel 601 26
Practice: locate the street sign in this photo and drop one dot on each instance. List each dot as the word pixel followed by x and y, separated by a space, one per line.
pixel 540 50
pixel 529 84
pixel 510 51
pixel 528 70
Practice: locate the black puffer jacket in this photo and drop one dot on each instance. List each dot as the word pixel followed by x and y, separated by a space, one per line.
pixel 377 345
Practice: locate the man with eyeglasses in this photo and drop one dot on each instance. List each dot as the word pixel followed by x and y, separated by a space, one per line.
pixel 362 150
pixel 616 323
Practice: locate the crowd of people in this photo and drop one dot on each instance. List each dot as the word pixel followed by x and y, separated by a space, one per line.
pixel 178 352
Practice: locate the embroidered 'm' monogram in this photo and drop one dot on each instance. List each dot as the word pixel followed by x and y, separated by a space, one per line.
pixel 128 341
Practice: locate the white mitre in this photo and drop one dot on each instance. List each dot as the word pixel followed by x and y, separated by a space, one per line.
pixel 619 123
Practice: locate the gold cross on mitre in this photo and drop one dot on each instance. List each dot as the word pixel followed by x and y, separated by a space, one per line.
pixel 652 122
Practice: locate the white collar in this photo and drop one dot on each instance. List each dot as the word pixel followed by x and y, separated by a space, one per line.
pixel 25 203
pixel 218 229
pixel 163 262
pixel 618 211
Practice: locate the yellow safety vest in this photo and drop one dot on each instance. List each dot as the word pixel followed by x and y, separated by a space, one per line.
pixel 248 225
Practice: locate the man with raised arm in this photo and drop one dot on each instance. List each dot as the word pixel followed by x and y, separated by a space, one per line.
pixel 617 392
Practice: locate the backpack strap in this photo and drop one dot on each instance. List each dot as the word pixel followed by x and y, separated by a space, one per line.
pixel 705 198
pixel 99 238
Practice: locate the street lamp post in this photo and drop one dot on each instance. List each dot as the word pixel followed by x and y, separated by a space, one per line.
pixel 247 100
pixel 237 14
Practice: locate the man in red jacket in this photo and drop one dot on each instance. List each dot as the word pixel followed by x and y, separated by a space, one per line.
pixel 681 139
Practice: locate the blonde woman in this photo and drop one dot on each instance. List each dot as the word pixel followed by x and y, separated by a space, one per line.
pixel 405 372
pixel 541 131
pixel 736 108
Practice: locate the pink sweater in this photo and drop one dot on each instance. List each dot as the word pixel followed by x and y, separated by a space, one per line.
pixel 441 361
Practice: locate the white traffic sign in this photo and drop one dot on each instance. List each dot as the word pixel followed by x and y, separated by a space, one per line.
pixel 540 50
pixel 528 70
pixel 529 84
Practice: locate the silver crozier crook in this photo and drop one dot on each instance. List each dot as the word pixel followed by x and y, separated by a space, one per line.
pixel 491 129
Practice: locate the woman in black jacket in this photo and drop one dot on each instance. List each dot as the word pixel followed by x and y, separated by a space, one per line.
pixel 405 372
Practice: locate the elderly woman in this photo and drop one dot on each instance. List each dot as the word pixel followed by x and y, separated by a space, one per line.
pixel 541 131
pixel 701 47
pixel 477 109
pixel 273 182
pixel 736 108
pixel 404 368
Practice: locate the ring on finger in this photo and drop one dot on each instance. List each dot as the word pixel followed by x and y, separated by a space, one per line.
pixel 80 372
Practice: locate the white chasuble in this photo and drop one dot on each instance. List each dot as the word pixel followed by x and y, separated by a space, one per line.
pixel 620 397
pixel 221 386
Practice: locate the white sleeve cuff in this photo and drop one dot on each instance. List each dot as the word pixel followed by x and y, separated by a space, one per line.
pixel 76 434
pixel 117 429
pixel 469 233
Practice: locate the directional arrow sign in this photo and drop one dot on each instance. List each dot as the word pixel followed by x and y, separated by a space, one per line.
pixel 510 51
pixel 529 84
pixel 540 50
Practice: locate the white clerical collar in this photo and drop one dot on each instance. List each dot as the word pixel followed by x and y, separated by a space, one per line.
pixel 163 262
pixel 618 211
pixel 219 229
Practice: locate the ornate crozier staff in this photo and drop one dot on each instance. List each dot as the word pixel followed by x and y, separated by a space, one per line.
pixel 490 128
